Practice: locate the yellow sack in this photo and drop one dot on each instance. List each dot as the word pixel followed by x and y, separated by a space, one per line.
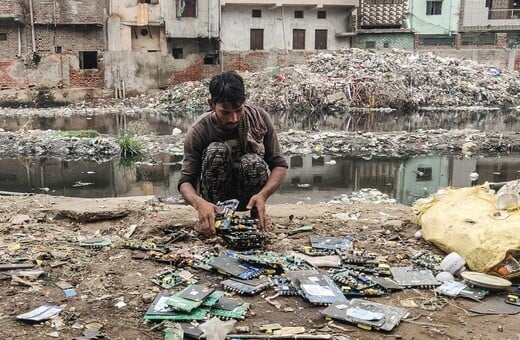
pixel 465 221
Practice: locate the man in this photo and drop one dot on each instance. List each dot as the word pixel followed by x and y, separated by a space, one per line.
pixel 231 152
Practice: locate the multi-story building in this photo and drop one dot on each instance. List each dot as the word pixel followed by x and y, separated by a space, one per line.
pixel 132 46
pixel 257 34
pixel 490 23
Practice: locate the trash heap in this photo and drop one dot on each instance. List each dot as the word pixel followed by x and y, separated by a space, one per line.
pixel 341 81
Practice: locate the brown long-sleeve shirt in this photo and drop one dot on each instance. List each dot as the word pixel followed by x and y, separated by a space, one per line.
pixel 202 133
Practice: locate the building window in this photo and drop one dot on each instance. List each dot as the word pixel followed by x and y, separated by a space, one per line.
pixel 386 44
pixel 318 161
pixel 320 40
pixel 423 174
pixel 480 38
pixel 57 49
pixel 433 7
pixel 322 15
pixel 298 14
pixel 257 13
pixel 3 36
pixel 210 59
pixel 152 2
pixel 186 8
pixel 88 60
pixel 370 44
pixel 445 40
pixel 257 39
pixel 177 53
pixel 296 162
pixel 298 39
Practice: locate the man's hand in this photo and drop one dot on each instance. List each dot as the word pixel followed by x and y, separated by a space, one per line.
pixel 258 201
pixel 206 213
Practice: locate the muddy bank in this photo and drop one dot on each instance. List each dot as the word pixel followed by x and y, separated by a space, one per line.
pixel 113 284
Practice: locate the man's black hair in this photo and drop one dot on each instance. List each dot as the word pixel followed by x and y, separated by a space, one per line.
pixel 228 87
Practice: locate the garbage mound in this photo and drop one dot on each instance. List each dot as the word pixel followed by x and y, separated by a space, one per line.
pixel 344 80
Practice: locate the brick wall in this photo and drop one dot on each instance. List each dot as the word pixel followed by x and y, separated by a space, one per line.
pixel 72 39
pixel 196 71
pixel 239 61
pixel 65 12
pixel 6 7
pixel 517 63
pixel 9 47
pixel 86 78
pixel 6 81
pixel 502 40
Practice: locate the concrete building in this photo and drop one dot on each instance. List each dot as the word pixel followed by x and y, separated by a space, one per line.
pixel 287 25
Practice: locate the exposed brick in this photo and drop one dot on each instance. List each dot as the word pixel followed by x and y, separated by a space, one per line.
pixel 6 81
pixel 198 70
pixel 502 40
pixel 66 12
pixel 86 78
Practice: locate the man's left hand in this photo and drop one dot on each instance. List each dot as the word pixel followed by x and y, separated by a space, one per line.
pixel 258 201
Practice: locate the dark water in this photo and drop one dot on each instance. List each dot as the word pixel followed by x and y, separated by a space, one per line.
pixel 162 123
pixel 310 180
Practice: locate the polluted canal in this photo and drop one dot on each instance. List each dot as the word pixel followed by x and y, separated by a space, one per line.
pixel 313 177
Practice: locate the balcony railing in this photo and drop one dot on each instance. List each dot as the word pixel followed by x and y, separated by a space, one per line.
pixel 503 14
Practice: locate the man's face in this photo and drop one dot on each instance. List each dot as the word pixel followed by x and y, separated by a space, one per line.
pixel 227 116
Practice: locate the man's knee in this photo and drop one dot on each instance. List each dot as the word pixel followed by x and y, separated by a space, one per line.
pixel 216 153
pixel 254 168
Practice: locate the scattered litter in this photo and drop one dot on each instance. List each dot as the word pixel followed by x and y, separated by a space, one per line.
pixel 42 313
pixel 485 280
pixel 96 242
pixel 330 242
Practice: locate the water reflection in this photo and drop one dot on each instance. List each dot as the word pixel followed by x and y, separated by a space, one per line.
pixel 162 122
pixel 310 180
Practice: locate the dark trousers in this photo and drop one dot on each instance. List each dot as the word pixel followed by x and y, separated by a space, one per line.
pixel 222 180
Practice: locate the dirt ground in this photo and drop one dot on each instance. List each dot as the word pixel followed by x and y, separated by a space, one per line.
pixel 43 230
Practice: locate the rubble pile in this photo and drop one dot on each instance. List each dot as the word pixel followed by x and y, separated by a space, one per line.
pixel 340 82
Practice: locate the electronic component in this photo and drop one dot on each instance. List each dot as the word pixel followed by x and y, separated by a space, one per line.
pixel 251 287
pixel 366 314
pixel 412 277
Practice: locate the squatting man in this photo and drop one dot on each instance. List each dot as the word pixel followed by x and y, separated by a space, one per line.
pixel 231 152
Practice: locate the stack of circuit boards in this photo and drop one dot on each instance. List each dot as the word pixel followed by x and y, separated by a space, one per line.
pixel 239 233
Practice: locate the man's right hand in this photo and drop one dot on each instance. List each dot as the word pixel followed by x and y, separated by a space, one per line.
pixel 206 213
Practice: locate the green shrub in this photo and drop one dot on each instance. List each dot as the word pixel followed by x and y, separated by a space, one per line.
pixel 131 147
